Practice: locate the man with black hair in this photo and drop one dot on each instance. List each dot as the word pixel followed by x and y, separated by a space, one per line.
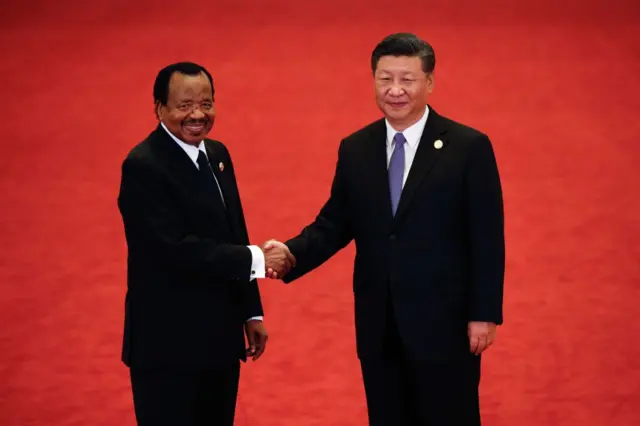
pixel 420 195
pixel 192 292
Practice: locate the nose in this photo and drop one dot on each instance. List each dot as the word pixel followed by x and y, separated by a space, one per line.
pixel 396 90
pixel 196 114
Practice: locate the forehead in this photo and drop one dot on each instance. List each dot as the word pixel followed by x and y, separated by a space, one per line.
pixel 183 85
pixel 393 64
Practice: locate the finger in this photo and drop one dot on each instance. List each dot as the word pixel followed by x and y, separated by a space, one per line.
pixel 252 344
pixel 291 258
pixel 482 345
pixel 473 343
pixel 259 352
pixel 255 353
pixel 269 244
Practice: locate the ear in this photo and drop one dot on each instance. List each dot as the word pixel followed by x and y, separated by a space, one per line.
pixel 159 110
pixel 430 82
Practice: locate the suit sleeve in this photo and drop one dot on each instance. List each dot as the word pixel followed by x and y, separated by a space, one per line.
pixel 330 232
pixel 486 230
pixel 250 290
pixel 153 225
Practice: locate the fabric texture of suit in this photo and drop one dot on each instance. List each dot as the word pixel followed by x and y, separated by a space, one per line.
pixel 189 290
pixel 422 275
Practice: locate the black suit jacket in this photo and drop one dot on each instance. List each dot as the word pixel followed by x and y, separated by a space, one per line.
pixel 439 262
pixel 189 289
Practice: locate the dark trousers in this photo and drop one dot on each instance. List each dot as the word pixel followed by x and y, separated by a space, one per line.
pixel 182 397
pixel 401 391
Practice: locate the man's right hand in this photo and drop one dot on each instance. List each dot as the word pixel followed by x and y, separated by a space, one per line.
pixel 278 259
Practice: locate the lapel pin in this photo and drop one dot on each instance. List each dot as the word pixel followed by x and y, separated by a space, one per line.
pixel 437 144
pixel 221 166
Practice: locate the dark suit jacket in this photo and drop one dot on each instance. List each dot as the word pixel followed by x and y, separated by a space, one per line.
pixel 189 292
pixel 439 262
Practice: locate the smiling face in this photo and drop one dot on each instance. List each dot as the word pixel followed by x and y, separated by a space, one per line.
pixel 189 112
pixel 402 89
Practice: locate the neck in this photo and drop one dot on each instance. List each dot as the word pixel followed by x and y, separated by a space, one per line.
pixel 195 144
pixel 404 124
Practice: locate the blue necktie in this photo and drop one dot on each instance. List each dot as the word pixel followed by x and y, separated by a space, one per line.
pixel 396 171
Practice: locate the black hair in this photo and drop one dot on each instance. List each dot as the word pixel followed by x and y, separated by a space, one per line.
pixel 405 44
pixel 161 85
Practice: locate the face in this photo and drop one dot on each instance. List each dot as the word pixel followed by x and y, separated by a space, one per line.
pixel 189 113
pixel 402 89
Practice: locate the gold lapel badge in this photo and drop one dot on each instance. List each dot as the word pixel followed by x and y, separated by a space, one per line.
pixel 221 166
pixel 437 144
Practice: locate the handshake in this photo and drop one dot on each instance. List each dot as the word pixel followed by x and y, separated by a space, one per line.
pixel 278 259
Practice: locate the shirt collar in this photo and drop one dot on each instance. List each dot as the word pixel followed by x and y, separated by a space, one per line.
pixel 412 133
pixel 192 151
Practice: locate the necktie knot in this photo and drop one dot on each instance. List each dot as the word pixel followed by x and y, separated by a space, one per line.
pixel 399 139
pixel 203 163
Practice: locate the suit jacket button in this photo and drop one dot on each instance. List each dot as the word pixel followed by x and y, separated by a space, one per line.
pixel 392 236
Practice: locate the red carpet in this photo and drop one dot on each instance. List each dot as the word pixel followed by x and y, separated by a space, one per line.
pixel 556 87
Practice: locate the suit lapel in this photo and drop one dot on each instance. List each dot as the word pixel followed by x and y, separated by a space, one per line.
pixel 426 157
pixel 184 169
pixel 377 159
pixel 227 186
pixel 176 158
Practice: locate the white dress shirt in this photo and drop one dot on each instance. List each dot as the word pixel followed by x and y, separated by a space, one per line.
pixel 258 269
pixel 412 135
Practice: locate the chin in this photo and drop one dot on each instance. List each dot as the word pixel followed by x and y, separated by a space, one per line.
pixel 191 138
pixel 397 114
pixel 195 137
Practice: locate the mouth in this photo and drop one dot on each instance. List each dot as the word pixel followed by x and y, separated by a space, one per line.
pixel 195 127
pixel 397 104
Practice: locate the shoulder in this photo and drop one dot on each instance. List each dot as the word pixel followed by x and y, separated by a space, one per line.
pixel 363 136
pixel 364 133
pixel 217 146
pixel 470 142
pixel 461 133
pixel 220 153
pixel 148 155
pixel 142 152
pixel 461 130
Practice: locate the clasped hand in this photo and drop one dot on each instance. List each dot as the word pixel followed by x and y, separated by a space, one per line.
pixel 278 259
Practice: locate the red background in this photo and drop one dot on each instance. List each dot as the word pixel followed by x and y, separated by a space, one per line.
pixel 555 85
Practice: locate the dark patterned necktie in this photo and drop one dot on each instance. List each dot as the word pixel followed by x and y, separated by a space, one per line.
pixel 209 178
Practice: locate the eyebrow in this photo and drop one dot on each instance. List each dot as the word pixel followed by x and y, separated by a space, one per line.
pixel 180 100
pixel 395 72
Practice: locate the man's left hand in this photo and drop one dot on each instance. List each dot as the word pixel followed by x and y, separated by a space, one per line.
pixel 481 336
pixel 257 337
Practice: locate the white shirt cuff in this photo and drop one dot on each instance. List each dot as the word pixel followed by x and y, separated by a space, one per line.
pixel 255 318
pixel 258 269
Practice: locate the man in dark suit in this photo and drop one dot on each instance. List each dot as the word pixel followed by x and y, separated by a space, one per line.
pixel 192 288
pixel 421 196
